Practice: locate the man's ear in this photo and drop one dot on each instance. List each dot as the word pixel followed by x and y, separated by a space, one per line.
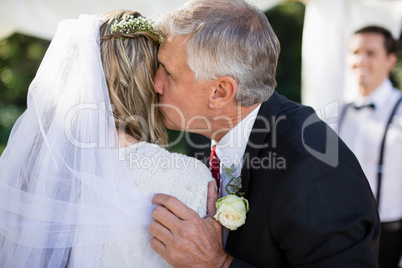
pixel 223 92
pixel 392 59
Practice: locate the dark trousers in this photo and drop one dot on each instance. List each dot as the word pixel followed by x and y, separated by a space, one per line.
pixel 390 244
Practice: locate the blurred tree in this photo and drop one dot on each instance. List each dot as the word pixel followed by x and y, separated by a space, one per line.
pixel 396 74
pixel 287 21
pixel 20 56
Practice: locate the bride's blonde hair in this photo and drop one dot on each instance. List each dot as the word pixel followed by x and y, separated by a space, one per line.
pixel 130 62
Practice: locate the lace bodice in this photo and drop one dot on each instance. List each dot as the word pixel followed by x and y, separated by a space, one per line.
pixel 155 170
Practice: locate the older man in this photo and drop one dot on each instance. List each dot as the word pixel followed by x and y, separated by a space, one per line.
pixel 310 203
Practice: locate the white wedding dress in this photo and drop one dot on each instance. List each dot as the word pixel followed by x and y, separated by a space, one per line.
pixel 69 196
pixel 155 170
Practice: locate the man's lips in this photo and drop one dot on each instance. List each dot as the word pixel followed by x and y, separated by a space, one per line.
pixel 361 71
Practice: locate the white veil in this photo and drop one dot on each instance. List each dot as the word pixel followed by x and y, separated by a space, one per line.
pixel 59 200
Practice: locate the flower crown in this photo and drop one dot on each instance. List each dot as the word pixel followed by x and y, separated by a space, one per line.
pixel 130 24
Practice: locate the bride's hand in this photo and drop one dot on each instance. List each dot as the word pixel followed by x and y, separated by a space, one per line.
pixel 184 239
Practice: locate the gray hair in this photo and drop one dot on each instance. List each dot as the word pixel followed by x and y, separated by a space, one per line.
pixel 227 38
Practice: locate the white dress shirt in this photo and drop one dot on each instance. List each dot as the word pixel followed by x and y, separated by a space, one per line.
pixel 230 150
pixel 362 130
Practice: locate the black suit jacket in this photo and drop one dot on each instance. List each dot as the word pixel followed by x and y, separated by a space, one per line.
pixel 310 203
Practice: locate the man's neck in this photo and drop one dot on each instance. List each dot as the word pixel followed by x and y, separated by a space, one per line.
pixel 365 90
pixel 228 119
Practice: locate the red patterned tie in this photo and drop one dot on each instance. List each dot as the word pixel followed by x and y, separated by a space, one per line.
pixel 214 166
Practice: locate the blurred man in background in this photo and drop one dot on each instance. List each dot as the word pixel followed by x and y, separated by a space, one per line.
pixel 372 128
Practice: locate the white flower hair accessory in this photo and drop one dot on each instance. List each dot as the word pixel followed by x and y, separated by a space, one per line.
pixel 231 210
pixel 130 24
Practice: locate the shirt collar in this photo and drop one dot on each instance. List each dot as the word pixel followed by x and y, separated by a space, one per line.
pixel 379 96
pixel 230 149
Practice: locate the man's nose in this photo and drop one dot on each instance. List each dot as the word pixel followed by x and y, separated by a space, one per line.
pixel 360 59
pixel 158 81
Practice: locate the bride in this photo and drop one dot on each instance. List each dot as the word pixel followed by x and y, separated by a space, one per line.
pixel 84 160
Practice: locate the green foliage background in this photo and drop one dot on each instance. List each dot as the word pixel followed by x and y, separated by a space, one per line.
pixel 21 55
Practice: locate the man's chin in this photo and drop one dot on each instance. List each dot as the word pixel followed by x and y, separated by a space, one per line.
pixel 362 81
pixel 169 125
pixel 366 82
pixel 362 78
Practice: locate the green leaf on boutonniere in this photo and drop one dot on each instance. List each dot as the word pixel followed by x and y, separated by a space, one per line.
pixel 228 171
pixel 234 185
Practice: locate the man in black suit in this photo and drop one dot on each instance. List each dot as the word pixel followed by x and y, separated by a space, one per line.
pixel 310 203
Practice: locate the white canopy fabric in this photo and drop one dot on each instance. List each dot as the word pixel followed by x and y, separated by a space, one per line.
pixel 40 17
pixel 328 26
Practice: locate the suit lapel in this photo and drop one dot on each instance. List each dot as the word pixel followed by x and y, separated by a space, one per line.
pixel 261 129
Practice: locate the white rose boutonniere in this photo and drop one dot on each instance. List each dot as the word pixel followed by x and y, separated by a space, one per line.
pixel 231 210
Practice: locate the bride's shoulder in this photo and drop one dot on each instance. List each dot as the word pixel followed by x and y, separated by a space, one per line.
pixel 154 157
pixel 156 170
pixel 191 165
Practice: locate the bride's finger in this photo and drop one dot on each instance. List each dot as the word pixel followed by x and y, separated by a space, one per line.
pixel 175 206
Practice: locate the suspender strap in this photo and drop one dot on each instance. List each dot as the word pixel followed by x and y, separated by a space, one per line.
pixel 381 159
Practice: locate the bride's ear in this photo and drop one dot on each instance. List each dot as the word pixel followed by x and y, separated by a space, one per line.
pixel 223 92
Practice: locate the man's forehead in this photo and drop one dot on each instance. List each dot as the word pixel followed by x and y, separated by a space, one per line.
pixel 172 51
pixel 163 55
pixel 367 40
